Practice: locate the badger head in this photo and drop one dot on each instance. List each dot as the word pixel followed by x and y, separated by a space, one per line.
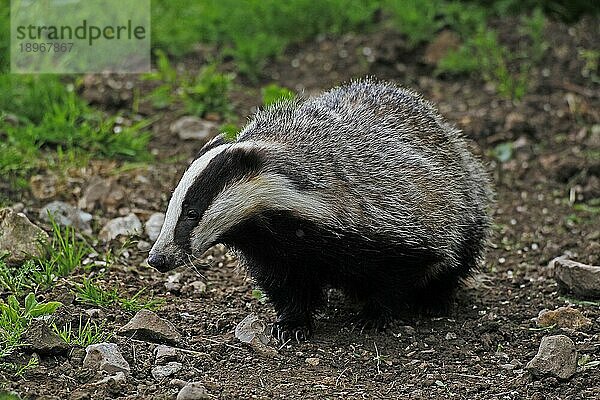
pixel 226 184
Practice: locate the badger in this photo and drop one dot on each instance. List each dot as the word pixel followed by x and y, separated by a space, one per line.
pixel 364 188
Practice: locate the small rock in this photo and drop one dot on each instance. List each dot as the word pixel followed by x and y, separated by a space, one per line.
pixel 441 45
pixel 252 331
pixel 118 378
pixel 19 237
pixel 94 313
pixel 165 354
pixel 146 325
pixel 193 391
pixel 314 361
pixel 153 225
pixel 197 286
pixel 190 127
pixel 66 215
pixel 177 383
pixel 41 339
pixel 105 357
pixel 581 279
pixel 97 190
pixel 564 317
pixel 160 372
pixel 18 207
pixel 43 186
pixel 556 357
pixel 451 336
pixel 129 225
pixel 172 284
pixel 142 245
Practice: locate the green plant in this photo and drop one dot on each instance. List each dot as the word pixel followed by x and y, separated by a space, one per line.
pixel 417 20
pixel 86 333
pixel 14 319
pixel 258 295
pixel 32 363
pixel 41 114
pixel 252 31
pixel 273 93
pixel 89 292
pixel 208 91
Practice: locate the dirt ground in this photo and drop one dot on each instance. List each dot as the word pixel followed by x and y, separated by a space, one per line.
pixel 478 351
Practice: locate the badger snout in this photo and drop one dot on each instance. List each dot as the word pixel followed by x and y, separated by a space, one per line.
pixel 159 262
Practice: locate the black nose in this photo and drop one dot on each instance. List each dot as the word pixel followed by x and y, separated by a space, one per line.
pixel 157 261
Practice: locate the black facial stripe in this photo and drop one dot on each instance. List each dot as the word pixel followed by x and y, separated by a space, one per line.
pixel 233 164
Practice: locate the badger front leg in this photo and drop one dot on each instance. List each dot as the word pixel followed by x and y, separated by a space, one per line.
pixel 294 296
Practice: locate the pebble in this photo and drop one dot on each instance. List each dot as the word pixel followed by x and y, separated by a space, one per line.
pixel 190 127
pixel 119 378
pixel 165 354
pixel 153 225
pixel 564 317
pixel 252 331
pixel 66 215
pixel 127 226
pixel 160 372
pixel 146 325
pixel 43 186
pixel 580 279
pixel 314 361
pixel 193 391
pixel 41 339
pixel 102 192
pixel 19 237
pixel 556 357
pixel 105 357
pixel 451 336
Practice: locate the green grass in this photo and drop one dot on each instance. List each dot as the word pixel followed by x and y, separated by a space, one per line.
pixel 253 31
pixel 41 115
pixel 90 292
pixel 205 92
pixel 273 93
pixel 63 254
pixel 14 320
pixel 85 334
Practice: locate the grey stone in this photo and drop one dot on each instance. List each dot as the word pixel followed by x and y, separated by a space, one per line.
pixel 127 226
pixel 165 354
pixel 193 391
pixel 41 339
pixel 19 237
pixel 252 331
pixel 146 325
pixel 581 279
pixel 160 372
pixel 556 357
pixel 105 193
pixel 191 127
pixel 105 357
pixel 153 225
pixel 119 378
pixel 66 215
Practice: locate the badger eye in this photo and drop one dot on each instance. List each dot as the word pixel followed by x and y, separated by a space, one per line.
pixel 192 214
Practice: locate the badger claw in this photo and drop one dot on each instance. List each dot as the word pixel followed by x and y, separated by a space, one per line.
pixel 284 331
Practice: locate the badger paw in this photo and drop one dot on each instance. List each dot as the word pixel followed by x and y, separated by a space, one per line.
pixel 285 331
pixel 368 320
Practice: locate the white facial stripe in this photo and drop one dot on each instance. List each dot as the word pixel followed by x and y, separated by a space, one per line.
pixel 175 204
pixel 266 191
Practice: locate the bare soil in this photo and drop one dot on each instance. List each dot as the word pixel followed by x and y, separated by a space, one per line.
pixel 478 351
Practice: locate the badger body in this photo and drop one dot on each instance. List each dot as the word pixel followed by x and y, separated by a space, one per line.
pixel 363 188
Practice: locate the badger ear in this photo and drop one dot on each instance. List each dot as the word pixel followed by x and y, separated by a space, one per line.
pixel 211 144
